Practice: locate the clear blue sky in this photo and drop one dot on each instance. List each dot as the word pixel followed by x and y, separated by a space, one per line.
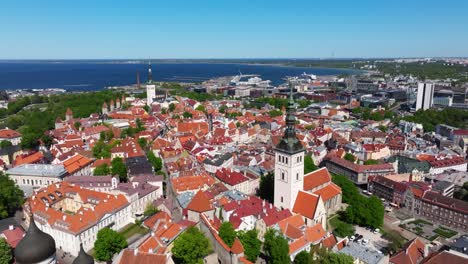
pixel 82 29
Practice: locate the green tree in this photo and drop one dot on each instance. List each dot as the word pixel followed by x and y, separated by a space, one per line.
pixel 371 162
pixel 5 144
pixel 147 108
pixel 108 243
pixel 102 170
pixel 139 125
pixel 227 233
pixel 187 115
pixel 6 256
pixel 275 113
pixel 171 107
pixel 11 196
pixel 342 229
pixel 142 142
pixel 29 141
pixel 222 109
pixel 191 247
pixel 77 125
pixel 303 257
pixel 349 157
pixel 336 258
pixel 266 189
pixel 150 210
pixel 376 212
pixel 309 165
pixel 252 245
pixel 201 108
pixel 164 111
pixel 119 168
pixel 276 248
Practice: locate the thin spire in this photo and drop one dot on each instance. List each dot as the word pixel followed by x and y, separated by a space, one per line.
pixel 150 73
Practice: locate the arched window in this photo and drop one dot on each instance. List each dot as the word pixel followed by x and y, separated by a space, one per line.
pixel 282 176
pixel 297 176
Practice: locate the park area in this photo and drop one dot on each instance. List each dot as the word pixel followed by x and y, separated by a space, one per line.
pixel 428 230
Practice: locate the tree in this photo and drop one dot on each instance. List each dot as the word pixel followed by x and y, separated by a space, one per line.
pixel 6 256
pixel 266 190
pixel 164 111
pixel 222 109
pixel 309 165
pixel 101 170
pixel 342 229
pixel 147 108
pixel 371 162
pixel 303 257
pixel 29 141
pixel 77 125
pixel 227 233
pixel 349 157
pixel 155 161
pixel 336 258
pixel 150 210
pixel 191 247
pixel 108 243
pixel 201 108
pixel 11 196
pixel 142 142
pixel 275 113
pixel 119 168
pixel 276 248
pixel 139 125
pixel 251 244
pixel 5 144
pixel 171 107
pixel 187 115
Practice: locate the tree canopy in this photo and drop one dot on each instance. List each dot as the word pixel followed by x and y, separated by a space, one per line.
pixel 266 190
pixel 349 157
pixel 432 117
pixel 303 257
pixel 227 233
pixel 119 168
pixel 108 243
pixel 6 255
pixel 101 170
pixel 276 248
pixel 191 247
pixel 11 196
pixel 251 244
pixel 309 165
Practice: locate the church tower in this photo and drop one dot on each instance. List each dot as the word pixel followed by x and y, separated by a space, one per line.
pixel 150 87
pixel 289 163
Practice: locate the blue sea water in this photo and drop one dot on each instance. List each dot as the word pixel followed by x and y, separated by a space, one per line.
pixel 87 76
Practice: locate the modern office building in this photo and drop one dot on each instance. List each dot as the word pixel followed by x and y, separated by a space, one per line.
pixel 424 98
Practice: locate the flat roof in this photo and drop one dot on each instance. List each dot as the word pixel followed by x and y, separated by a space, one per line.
pixel 41 170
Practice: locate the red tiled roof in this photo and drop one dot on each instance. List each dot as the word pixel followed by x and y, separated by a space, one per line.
pixel 28 159
pixel 329 191
pixel 412 252
pixel 76 163
pixel 129 256
pixel 237 247
pixel 200 203
pixel 14 236
pixel 306 204
pixel 230 177
pixel 9 133
pixel 316 178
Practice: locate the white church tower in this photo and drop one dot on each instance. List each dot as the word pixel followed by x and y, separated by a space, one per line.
pixel 289 163
pixel 150 87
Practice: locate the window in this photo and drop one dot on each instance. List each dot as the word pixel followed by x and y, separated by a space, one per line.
pixel 286 160
pixel 279 158
pixel 282 175
pixel 297 176
pixel 281 198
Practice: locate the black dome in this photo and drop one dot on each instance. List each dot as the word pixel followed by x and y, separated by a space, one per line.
pixel 83 258
pixel 36 246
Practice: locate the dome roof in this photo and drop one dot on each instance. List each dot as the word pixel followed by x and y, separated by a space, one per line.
pixel 36 246
pixel 83 257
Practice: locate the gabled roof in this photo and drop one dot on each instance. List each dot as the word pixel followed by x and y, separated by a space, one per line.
pixel 316 178
pixel 412 252
pixel 200 203
pixel 329 191
pixel 306 204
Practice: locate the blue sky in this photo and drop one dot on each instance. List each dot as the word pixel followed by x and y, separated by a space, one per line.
pixel 103 29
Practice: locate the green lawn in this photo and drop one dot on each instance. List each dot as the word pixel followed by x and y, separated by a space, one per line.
pixel 132 229
pixel 445 232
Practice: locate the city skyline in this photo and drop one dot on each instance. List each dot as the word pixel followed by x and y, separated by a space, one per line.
pixel 214 30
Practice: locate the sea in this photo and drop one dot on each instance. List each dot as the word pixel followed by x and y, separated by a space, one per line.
pixel 96 75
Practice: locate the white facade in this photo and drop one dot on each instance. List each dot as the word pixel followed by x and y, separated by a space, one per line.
pixel 424 96
pixel 150 93
pixel 289 178
pixel 458 167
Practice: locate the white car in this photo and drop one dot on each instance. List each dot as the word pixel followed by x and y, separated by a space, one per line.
pixel 365 241
pixel 352 238
pixel 376 230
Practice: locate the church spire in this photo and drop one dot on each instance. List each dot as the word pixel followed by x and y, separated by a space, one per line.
pixel 150 73
pixel 289 143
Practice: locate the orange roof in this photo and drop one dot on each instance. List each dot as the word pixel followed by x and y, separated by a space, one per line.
pixel 237 247
pixel 188 183
pixel 412 252
pixel 312 235
pixel 9 133
pixel 295 220
pixel 200 203
pixel 97 204
pixel 76 163
pixel 329 191
pixel 129 256
pixel 36 157
pixel 316 178
pixel 306 204
pixel 329 242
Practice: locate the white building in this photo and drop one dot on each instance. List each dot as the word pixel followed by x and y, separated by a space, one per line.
pixel 74 215
pixel 289 165
pixel 425 95
pixel 150 87
pixel 34 176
